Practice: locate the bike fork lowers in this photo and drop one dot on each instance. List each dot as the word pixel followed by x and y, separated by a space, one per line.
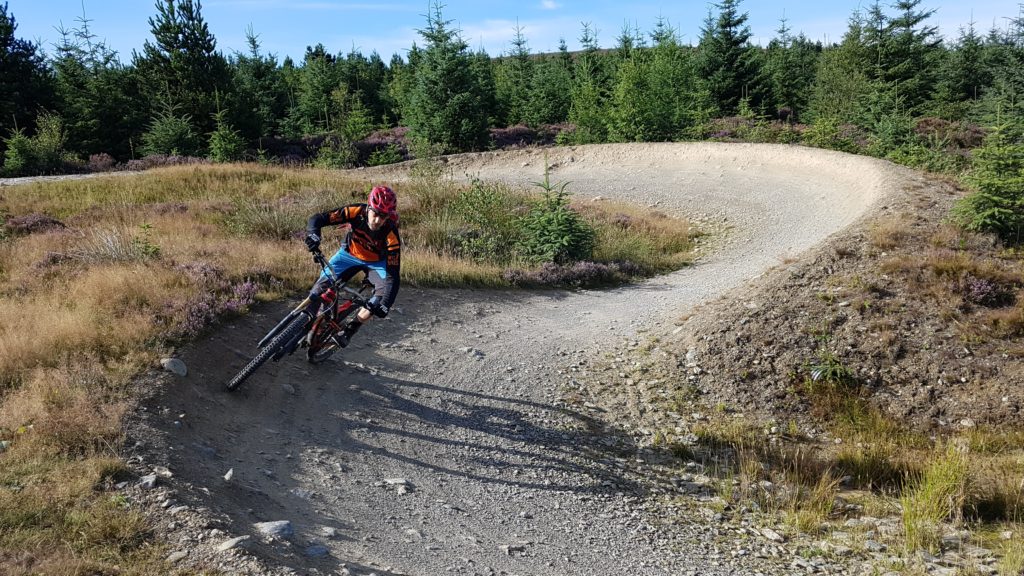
pixel 280 325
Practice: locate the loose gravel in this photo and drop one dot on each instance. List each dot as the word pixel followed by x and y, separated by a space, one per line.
pixel 440 442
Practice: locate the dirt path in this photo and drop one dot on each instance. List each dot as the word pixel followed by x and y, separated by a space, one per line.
pixel 440 445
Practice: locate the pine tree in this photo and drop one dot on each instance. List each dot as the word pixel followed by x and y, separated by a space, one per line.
pixel 680 104
pixel 226 143
pixel 25 80
pixel 1003 102
pixel 368 77
pixel 550 91
pixel 589 92
pixel 259 97
pixel 910 55
pixel 318 79
pixel 632 116
pixel 181 65
pixel 841 80
pixel 399 87
pixel 790 65
pixel 95 95
pixel 445 103
pixel 513 79
pixel 726 61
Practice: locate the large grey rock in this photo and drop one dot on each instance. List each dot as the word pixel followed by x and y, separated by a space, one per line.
pixel 148 482
pixel 279 528
pixel 175 366
pixel 232 543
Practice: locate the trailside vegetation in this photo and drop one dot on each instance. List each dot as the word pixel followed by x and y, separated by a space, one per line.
pixel 890 87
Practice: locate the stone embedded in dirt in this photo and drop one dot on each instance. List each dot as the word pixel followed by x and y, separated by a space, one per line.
pixel 510 549
pixel 177 556
pixel 772 535
pixel 232 543
pixel 162 471
pixel 175 366
pixel 317 551
pixel 279 528
pixel 288 388
pixel 229 475
pixel 329 532
pixel 148 482
pixel 302 493
pixel 873 546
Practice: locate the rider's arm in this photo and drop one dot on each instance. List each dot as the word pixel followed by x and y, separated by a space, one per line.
pixel 338 216
pixel 392 264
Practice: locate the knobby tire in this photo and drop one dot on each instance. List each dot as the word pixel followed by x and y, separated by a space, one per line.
pixel 267 351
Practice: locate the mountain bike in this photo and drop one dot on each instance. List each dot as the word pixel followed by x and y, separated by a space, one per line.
pixel 338 303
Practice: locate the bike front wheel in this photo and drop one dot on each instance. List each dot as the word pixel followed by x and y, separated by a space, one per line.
pixel 272 347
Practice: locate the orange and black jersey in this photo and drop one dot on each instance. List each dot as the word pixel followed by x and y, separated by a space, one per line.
pixel 361 242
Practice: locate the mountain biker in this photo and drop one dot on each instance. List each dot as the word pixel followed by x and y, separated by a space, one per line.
pixel 372 246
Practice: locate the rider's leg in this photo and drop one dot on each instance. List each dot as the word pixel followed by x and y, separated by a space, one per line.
pixel 363 315
pixel 342 265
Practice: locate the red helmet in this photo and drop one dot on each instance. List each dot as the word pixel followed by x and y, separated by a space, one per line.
pixel 383 201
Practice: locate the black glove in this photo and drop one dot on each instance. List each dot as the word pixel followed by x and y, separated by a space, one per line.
pixel 377 307
pixel 313 242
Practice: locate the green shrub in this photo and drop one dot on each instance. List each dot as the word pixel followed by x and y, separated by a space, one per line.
pixel 42 153
pixel 997 205
pixel 552 231
pixel 172 135
pixel 390 154
pixel 337 153
pixel 20 157
pixel 226 143
pixel 492 229
pixel 930 158
pixel 828 133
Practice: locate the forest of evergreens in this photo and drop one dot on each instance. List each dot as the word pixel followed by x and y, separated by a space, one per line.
pixel 892 87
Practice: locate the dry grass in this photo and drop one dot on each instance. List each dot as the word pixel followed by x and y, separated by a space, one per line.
pixel 1012 561
pixel 429 268
pixel 650 240
pixel 888 233
pixel 974 478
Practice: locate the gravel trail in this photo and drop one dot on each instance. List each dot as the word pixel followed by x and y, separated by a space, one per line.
pixel 439 444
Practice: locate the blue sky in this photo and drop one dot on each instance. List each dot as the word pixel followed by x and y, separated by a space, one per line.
pixel 286 27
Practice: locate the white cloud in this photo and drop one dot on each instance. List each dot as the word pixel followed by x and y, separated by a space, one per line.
pixel 550 5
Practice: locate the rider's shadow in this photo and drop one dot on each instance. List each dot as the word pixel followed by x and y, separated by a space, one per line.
pixel 491 435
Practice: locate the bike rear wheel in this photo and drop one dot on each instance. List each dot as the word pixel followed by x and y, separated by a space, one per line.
pixel 321 345
pixel 275 345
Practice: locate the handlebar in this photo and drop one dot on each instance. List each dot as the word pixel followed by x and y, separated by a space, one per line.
pixel 318 257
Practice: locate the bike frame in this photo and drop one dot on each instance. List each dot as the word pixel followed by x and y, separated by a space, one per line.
pixel 354 298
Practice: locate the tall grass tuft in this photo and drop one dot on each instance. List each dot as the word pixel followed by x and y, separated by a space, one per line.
pixel 937 495
pixel 1012 561
pixel 113 245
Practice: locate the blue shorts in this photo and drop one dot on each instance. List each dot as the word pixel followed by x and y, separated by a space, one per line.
pixel 342 262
